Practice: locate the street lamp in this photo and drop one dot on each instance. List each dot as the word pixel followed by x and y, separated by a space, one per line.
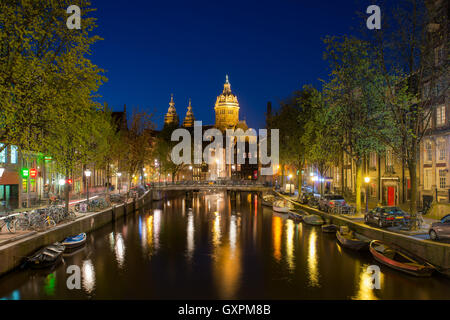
pixel 367 180
pixel 118 183
pixel 192 173
pixel 87 173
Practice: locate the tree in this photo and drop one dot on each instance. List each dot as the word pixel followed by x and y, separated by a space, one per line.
pixel 163 150
pixel 39 55
pixel 137 144
pixel 354 96
pixel 405 56
pixel 323 145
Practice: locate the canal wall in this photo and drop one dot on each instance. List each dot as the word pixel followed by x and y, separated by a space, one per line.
pixel 12 254
pixel 437 253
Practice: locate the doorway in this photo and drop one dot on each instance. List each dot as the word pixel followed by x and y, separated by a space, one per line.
pixel 390 196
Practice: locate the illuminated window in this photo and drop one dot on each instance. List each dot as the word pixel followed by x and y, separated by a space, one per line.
pixel 25 185
pixel 2 154
pixel 441 150
pixel 442 179
pixel 428 151
pixel 440 116
pixel 13 154
pixel 32 185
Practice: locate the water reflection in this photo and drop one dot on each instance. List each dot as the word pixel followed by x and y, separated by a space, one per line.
pixel 313 263
pixel 156 228
pixel 236 250
pixel 366 291
pixel 216 233
pixel 277 224
pixel 88 276
pixel 190 235
pixel 290 229
pixel 119 250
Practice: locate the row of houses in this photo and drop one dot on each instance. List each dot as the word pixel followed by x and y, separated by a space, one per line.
pixel 29 179
pixel 390 183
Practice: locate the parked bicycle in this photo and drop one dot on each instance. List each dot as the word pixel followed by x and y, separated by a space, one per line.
pixel 10 222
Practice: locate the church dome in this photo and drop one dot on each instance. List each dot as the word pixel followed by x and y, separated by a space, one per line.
pixel 226 108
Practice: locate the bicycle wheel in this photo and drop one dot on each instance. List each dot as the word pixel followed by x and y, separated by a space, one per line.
pixel 49 222
pixel 11 225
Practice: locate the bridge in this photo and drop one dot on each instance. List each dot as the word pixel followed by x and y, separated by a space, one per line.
pixel 210 186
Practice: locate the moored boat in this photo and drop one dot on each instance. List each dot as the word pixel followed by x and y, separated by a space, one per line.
pixel 295 216
pixel 75 241
pixel 352 240
pixel 47 256
pixel 400 259
pixel 267 200
pixel 331 228
pixel 313 219
pixel 280 206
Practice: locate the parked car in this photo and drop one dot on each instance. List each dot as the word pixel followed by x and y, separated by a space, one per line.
pixel 330 201
pixel 387 216
pixel 441 229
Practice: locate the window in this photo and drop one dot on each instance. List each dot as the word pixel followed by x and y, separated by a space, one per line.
pixel 25 185
pixel 388 158
pixel 373 160
pixel 439 55
pixel 2 154
pixel 13 154
pixel 426 90
pixel 441 150
pixel 442 179
pixel 440 116
pixel 428 151
pixel 427 179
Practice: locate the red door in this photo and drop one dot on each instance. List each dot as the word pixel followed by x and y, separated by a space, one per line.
pixel 391 196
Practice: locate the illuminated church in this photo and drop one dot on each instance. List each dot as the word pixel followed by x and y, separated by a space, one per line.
pixel 226 111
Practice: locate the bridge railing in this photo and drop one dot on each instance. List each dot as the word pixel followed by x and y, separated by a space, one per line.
pixel 212 183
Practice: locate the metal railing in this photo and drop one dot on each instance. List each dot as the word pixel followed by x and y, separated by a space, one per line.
pixel 212 183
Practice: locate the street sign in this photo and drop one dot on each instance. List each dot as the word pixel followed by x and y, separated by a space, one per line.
pixel 33 173
pixel 25 172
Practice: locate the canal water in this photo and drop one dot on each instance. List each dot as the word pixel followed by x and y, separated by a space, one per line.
pixel 209 247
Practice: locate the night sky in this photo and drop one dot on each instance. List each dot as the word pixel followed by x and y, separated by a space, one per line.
pixel 268 48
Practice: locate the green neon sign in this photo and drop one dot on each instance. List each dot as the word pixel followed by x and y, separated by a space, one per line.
pixel 25 172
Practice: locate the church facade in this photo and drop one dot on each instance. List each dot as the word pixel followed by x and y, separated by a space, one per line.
pixel 226 111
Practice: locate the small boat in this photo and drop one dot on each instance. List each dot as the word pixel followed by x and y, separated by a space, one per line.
pixel 295 216
pixel 267 200
pixel 47 256
pixel 352 240
pixel 331 228
pixel 313 219
pixel 75 241
pixel 280 206
pixel 400 259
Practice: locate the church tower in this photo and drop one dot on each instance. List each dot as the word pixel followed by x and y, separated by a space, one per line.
pixel 227 108
pixel 171 117
pixel 189 119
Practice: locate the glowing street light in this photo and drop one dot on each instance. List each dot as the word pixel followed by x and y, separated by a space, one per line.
pixel 87 173
pixel 119 174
